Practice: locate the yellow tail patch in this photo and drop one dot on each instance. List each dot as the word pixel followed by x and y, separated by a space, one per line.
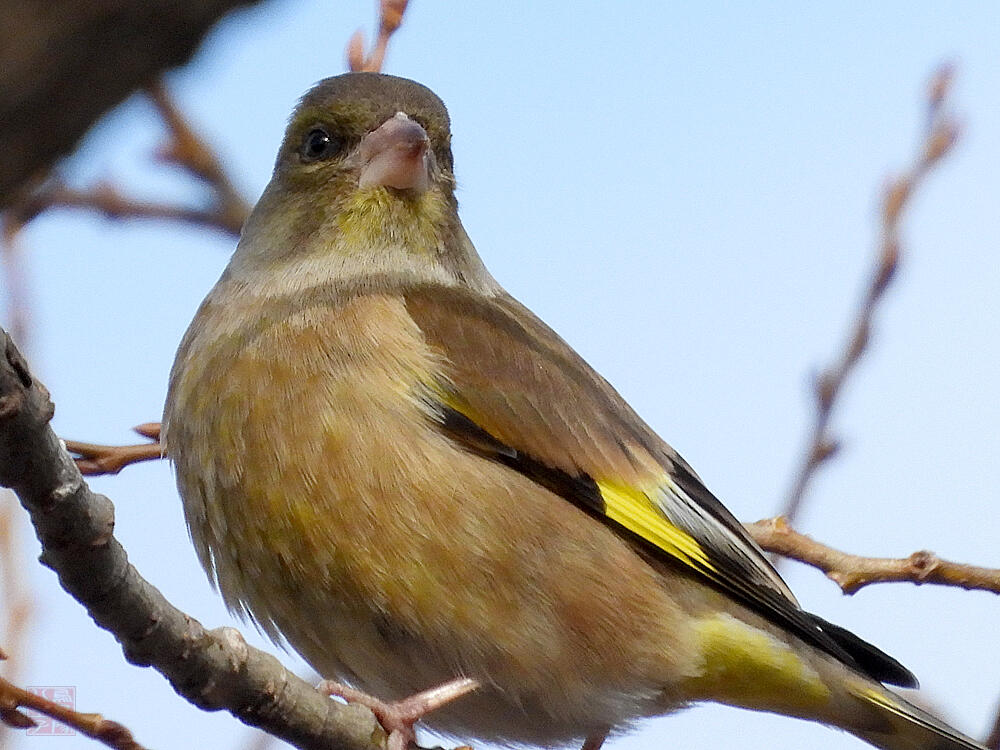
pixel 745 666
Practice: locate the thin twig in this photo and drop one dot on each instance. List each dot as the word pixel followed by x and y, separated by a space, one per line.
pixel 190 151
pixel 940 135
pixel 109 733
pixel 96 460
pixel 853 572
pixel 93 459
pixel 226 209
pixel 106 199
pixel 390 18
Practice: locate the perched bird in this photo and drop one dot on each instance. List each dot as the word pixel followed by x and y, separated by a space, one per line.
pixel 390 463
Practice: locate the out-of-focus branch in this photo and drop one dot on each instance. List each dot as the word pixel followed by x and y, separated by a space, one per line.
pixel 109 733
pixel 212 669
pixel 106 199
pixel 14 284
pixel 17 600
pixel 389 20
pixel 65 63
pixel 226 209
pixel 853 572
pixel 940 135
pixel 190 151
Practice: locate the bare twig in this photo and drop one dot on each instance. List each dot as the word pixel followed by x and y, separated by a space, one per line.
pixel 853 572
pixel 390 18
pixel 940 135
pixel 69 62
pixel 98 460
pixel 191 152
pixel 106 199
pixel 109 733
pixel 226 209
pixel 149 430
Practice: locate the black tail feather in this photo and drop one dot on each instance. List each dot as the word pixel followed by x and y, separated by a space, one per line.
pixel 871 660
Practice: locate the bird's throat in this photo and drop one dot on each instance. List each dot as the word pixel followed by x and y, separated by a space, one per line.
pixel 379 217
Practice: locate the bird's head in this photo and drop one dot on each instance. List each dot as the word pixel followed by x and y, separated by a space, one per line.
pixel 364 170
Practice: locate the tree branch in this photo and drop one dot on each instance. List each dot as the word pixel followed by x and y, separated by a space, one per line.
pixel 109 733
pixel 939 137
pixel 390 18
pixel 213 669
pixel 225 210
pixel 65 63
pixel 853 572
pixel 98 460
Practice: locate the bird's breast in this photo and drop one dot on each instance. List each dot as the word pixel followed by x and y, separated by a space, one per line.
pixel 286 432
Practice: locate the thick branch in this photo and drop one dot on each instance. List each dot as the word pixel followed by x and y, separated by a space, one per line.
pixel 852 572
pixel 67 62
pixel 213 669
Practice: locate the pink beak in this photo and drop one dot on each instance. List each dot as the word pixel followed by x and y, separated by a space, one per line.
pixel 396 154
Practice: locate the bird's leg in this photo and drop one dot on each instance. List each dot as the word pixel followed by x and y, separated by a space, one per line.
pixel 398 717
pixel 595 740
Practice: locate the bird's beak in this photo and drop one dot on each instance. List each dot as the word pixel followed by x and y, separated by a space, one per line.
pixel 396 154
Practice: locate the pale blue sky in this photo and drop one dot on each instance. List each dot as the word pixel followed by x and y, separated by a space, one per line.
pixel 687 194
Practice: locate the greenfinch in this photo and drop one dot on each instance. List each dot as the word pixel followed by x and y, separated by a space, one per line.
pixel 390 463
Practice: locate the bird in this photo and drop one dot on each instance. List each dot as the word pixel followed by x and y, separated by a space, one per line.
pixel 393 466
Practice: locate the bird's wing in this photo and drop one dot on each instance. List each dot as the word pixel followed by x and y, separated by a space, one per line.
pixel 514 391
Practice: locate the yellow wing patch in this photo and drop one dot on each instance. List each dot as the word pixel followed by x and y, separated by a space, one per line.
pixel 632 508
pixel 624 504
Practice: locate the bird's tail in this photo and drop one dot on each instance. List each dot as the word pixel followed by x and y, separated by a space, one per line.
pixel 889 722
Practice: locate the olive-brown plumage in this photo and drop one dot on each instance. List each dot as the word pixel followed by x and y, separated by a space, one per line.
pixel 393 465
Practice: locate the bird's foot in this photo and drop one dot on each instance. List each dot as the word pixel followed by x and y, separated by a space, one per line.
pixel 398 717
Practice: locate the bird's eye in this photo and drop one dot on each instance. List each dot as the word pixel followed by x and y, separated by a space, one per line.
pixel 319 144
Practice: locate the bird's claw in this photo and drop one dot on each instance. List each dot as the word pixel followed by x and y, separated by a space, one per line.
pixel 399 717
